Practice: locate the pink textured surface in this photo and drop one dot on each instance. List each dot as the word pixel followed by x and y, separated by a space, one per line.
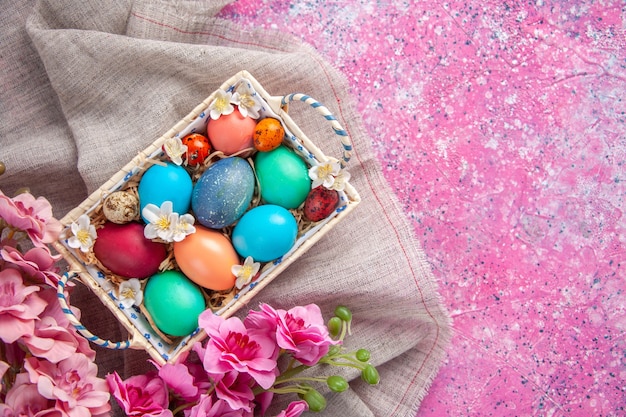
pixel 502 130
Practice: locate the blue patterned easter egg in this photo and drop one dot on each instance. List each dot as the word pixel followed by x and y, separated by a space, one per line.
pixel 223 192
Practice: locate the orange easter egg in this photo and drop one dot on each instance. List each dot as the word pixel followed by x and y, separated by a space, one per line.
pixel 206 257
pixel 231 133
pixel 268 134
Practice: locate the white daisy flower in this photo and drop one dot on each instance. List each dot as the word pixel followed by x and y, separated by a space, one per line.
pixel 162 221
pixel 247 100
pixel 184 226
pixel 245 272
pixel 129 293
pixel 341 180
pixel 221 104
pixel 324 173
pixel 84 234
pixel 175 150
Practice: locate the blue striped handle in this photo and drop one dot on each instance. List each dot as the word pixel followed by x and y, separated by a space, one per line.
pixel 340 131
pixel 77 324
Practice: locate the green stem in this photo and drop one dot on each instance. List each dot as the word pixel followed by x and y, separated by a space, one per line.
pixel 183 407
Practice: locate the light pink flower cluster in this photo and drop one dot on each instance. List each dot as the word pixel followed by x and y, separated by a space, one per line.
pixel 236 372
pixel 46 367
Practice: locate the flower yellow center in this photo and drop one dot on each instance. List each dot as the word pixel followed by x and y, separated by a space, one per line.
pixel 246 271
pixel 163 223
pixel 221 103
pixel 324 171
pixel 246 100
pixel 128 293
pixel 83 236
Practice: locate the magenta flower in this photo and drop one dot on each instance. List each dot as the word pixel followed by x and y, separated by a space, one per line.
pixel 232 347
pixel 37 263
pixel 72 383
pixel 141 395
pixel 20 306
pixel 23 399
pixel 300 330
pixel 209 407
pixel 33 216
pixel 294 409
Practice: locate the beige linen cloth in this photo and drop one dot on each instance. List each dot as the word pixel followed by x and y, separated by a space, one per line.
pixel 86 85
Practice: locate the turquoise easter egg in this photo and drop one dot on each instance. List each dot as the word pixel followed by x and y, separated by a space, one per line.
pixel 265 233
pixel 223 192
pixel 283 177
pixel 173 302
pixel 170 182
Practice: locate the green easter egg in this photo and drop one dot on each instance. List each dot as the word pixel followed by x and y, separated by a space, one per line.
pixel 283 176
pixel 174 303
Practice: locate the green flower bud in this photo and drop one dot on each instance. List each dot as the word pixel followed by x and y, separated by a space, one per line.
pixel 363 355
pixel 333 350
pixel 370 375
pixel 337 383
pixel 334 326
pixel 343 313
pixel 314 400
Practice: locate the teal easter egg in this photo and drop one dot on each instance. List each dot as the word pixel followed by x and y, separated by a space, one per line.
pixel 223 192
pixel 265 233
pixel 170 182
pixel 173 302
pixel 283 177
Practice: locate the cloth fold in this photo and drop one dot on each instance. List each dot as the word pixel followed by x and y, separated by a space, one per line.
pixel 116 76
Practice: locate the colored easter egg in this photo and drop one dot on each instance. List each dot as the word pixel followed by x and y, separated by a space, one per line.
pixel 283 177
pixel 173 302
pixel 206 257
pixel 198 148
pixel 231 133
pixel 268 134
pixel 320 203
pixel 223 192
pixel 265 233
pixel 121 207
pixel 169 182
pixel 123 249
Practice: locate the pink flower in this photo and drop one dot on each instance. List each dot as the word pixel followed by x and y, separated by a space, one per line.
pixel 23 399
pixel 19 306
pixel 232 347
pixel 300 330
pixel 33 216
pixel 294 409
pixel 140 395
pixel 208 407
pixel 51 341
pixel 72 383
pixel 37 263
pixel 236 390
pixel 187 380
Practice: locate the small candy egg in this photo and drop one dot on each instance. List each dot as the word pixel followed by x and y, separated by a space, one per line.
pixel 320 203
pixel 231 133
pixel 169 182
pixel 173 302
pixel 123 249
pixel 223 192
pixel 265 233
pixel 268 134
pixel 283 177
pixel 206 257
pixel 121 207
pixel 198 148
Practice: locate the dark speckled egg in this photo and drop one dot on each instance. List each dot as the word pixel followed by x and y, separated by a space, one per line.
pixel 320 203
pixel 223 192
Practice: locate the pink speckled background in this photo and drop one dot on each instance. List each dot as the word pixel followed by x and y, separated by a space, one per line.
pixel 501 127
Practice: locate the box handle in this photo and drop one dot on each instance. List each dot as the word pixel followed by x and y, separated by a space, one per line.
pixel 337 128
pixel 77 324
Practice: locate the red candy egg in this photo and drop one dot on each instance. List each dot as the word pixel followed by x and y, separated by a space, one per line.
pixel 198 148
pixel 123 249
pixel 320 203
pixel 231 133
